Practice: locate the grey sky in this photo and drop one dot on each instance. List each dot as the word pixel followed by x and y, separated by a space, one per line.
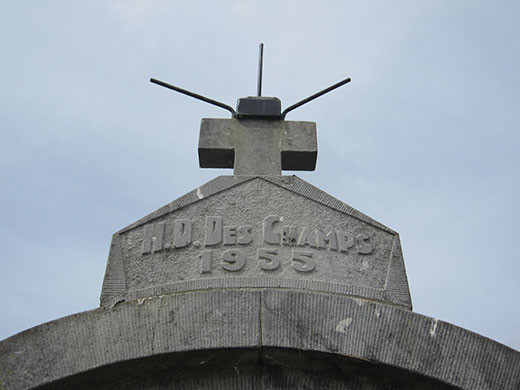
pixel 425 139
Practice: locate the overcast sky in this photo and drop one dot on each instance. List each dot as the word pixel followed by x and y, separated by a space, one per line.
pixel 425 139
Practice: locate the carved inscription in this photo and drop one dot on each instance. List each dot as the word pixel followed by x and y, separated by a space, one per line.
pixel 266 260
pixel 181 233
pixel 217 233
pixel 153 238
pixel 272 232
pixel 314 238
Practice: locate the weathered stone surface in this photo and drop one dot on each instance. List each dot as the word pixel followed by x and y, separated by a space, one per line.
pixel 256 339
pixel 251 231
pixel 258 147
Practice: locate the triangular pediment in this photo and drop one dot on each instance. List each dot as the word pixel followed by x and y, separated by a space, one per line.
pixel 254 232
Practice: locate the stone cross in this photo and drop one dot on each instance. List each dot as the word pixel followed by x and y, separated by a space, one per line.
pixel 258 146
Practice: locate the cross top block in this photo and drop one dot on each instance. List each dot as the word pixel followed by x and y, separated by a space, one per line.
pixel 259 107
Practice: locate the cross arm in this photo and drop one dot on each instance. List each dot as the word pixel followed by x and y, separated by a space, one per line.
pixel 257 146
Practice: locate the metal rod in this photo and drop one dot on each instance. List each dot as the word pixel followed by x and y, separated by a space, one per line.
pixel 312 97
pixel 194 95
pixel 260 69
